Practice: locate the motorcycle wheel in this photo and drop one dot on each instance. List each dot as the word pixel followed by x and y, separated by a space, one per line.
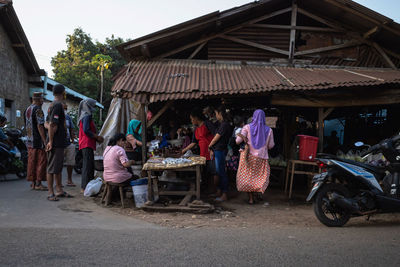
pixel 21 174
pixel 78 170
pixel 326 212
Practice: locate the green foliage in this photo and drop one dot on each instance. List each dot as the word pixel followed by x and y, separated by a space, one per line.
pixel 77 67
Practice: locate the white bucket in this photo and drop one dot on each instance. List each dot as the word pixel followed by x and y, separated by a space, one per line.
pixel 140 194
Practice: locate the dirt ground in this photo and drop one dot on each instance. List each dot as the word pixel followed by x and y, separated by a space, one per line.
pixel 279 212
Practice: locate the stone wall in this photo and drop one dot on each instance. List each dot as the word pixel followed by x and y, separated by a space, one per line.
pixel 13 79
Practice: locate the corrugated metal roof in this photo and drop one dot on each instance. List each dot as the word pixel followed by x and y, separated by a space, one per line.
pixel 188 79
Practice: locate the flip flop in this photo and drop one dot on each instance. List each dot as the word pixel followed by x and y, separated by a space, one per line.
pixel 71 184
pixel 52 198
pixel 64 194
pixel 40 188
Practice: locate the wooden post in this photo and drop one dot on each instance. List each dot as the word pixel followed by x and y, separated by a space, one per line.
pixel 293 32
pixel 321 129
pixel 143 111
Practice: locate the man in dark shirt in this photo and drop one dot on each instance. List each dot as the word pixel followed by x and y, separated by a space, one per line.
pixel 56 143
pixel 34 125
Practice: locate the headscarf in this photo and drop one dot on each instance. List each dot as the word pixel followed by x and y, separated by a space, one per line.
pixel 86 108
pixel 133 124
pixel 258 129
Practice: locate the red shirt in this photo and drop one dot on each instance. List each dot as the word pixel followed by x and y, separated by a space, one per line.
pixel 84 140
pixel 204 138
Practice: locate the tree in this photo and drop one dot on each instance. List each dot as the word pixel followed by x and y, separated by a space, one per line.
pixel 76 67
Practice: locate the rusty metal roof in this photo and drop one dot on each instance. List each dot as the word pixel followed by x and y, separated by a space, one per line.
pixel 163 80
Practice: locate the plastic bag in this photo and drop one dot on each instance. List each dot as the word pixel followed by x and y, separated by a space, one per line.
pixel 93 187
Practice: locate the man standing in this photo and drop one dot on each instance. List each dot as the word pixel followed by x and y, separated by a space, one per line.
pixel 56 144
pixel 34 124
pixel 69 152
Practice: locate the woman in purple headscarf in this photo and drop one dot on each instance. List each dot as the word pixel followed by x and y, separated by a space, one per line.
pixel 253 173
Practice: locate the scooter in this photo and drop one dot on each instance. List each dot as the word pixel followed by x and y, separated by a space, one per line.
pixel 348 188
pixel 11 162
pixel 19 140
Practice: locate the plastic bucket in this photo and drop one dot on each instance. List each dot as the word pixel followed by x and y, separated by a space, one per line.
pixel 139 188
pixel 307 147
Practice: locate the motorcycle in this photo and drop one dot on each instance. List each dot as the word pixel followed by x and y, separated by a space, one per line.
pixel 349 188
pixel 10 161
pixel 19 140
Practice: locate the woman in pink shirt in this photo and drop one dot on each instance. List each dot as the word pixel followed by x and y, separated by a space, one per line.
pixel 253 173
pixel 116 162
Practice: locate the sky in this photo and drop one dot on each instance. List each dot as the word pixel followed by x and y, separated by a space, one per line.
pixel 47 22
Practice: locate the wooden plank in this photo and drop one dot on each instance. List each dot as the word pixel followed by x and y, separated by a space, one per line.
pixel 317 18
pixel 230 29
pixel 328 48
pixel 252 44
pixel 176 193
pixel 388 61
pixel 302 28
pixel 144 49
pixel 292 43
pixel 149 187
pixel 188 197
pixel 159 113
pixel 197 50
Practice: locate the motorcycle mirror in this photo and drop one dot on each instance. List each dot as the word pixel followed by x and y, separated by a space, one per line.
pixel 358 144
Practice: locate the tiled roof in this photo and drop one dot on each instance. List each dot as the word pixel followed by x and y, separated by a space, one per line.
pixel 187 79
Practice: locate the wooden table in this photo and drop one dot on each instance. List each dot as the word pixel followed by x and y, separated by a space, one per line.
pixel 194 187
pixel 291 170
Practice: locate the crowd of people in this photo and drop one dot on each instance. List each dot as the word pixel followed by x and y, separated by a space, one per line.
pixel 50 143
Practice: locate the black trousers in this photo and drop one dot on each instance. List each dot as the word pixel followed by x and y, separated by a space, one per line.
pixel 87 166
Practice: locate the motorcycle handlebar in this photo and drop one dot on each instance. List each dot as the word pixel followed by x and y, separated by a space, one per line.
pixel 378 146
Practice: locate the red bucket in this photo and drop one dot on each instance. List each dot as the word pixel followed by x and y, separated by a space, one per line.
pixel 307 147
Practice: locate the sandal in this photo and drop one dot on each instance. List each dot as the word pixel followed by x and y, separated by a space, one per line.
pixel 40 188
pixel 70 184
pixel 64 194
pixel 52 198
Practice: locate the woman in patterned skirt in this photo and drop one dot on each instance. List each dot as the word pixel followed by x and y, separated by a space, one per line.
pixel 253 173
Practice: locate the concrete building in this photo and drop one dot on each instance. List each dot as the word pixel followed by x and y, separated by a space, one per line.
pixel 18 66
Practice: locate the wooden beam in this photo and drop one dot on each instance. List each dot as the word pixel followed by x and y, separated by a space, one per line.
pixel 327 113
pixel 371 32
pixel 387 59
pixel 143 115
pixel 18 45
pixel 370 98
pixel 292 43
pixel 369 18
pixel 197 50
pixel 317 18
pixel 260 46
pixel 231 29
pixel 320 129
pixel 159 113
pixel 300 28
pixel 393 54
pixel 144 49
pixel 328 48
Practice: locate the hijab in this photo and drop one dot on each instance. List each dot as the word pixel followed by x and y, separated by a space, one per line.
pixel 86 108
pixel 133 124
pixel 258 129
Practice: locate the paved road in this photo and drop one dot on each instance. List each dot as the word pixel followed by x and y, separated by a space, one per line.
pixel 76 232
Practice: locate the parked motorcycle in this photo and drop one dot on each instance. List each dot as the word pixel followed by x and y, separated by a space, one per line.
pixel 10 161
pixel 17 137
pixel 348 188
